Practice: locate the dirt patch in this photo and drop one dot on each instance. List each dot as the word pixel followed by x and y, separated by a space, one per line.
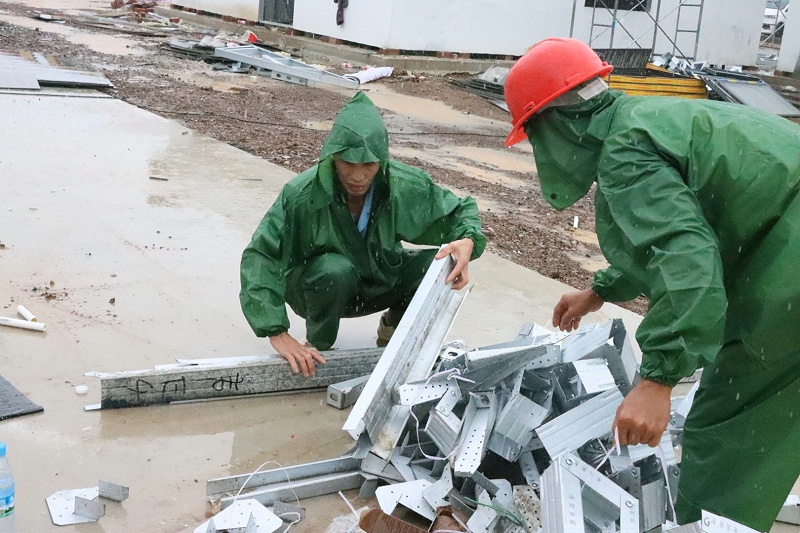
pixel 286 124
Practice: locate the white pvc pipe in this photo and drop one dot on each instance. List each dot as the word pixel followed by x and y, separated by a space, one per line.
pixel 23 324
pixel 27 315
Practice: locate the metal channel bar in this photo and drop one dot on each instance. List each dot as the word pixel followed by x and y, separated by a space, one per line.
pixel 562 505
pixel 217 487
pixel 305 488
pixel 398 352
pixel 590 420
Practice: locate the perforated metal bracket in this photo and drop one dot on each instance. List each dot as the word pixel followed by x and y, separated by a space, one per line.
pixel 478 421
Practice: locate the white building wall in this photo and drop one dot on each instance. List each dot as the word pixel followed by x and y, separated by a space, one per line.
pixel 241 9
pixel 729 35
pixel 789 57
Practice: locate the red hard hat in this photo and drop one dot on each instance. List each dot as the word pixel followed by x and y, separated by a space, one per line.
pixel 550 68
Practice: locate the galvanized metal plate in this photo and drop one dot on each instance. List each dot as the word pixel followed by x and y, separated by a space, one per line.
pixel 245 514
pixel 408 494
pixel 62 506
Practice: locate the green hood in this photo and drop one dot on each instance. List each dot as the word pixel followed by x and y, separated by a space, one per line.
pixel 567 149
pixel 358 134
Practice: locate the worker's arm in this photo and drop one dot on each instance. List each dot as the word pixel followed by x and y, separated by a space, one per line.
pixel 657 232
pixel 429 214
pixel 573 306
pixel 263 290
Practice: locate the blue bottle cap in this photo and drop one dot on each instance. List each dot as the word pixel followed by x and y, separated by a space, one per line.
pixel 2 449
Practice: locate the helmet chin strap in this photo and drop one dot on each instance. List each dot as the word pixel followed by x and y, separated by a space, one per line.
pixel 584 92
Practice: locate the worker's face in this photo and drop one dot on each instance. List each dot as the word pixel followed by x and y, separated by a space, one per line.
pixel 356 177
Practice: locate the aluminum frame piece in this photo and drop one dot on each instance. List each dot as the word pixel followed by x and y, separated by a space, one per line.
pixel 304 488
pixel 515 427
pixel 488 375
pixel 529 469
pixel 436 494
pixel 590 420
pixel 408 357
pixel 594 375
pixel 479 419
pixel 443 429
pixel 282 67
pixel 345 393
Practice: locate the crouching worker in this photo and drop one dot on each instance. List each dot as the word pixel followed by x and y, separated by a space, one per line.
pixel 330 244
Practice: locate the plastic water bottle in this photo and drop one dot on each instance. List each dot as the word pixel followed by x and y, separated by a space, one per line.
pixel 7 515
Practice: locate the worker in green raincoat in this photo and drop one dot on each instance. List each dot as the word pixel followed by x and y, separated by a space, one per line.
pixel 697 208
pixel 330 244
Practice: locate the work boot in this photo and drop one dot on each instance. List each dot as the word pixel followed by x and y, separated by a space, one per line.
pixel 385 331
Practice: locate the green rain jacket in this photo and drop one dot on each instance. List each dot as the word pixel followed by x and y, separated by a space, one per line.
pixel 311 218
pixel 696 208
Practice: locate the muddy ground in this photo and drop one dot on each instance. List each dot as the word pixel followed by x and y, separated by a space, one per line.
pixel 285 124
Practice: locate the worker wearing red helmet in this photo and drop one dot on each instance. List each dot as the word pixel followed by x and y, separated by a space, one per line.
pixel 697 208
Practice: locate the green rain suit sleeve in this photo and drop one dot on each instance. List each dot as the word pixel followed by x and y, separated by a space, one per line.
pixel 660 232
pixel 263 285
pixel 612 285
pixel 429 214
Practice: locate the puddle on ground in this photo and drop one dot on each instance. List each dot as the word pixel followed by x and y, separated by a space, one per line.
pixel 323 125
pixel 106 44
pixel 454 160
pixel 429 111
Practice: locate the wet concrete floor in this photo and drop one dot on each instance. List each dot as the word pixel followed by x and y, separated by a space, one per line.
pixel 103 201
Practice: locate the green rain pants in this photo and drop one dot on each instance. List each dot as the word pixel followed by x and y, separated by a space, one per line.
pixel 741 442
pixel 329 288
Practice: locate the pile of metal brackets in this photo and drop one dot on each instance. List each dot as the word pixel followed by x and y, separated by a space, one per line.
pixel 514 437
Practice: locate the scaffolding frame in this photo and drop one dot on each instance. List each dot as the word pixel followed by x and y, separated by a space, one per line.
pixel 618 16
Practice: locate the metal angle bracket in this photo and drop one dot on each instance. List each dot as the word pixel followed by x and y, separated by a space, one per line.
pixel 91 509
pixel 112 491
pixel 62 506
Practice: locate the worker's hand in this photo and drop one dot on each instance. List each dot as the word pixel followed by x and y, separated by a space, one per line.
pixel 461 250
pixel 643 415
pixel 573 306
pixel 300 357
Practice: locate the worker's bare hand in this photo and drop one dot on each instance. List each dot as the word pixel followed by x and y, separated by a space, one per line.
pixel 461 250
pixel 643 415
pixel 300 357
pixel 573 306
